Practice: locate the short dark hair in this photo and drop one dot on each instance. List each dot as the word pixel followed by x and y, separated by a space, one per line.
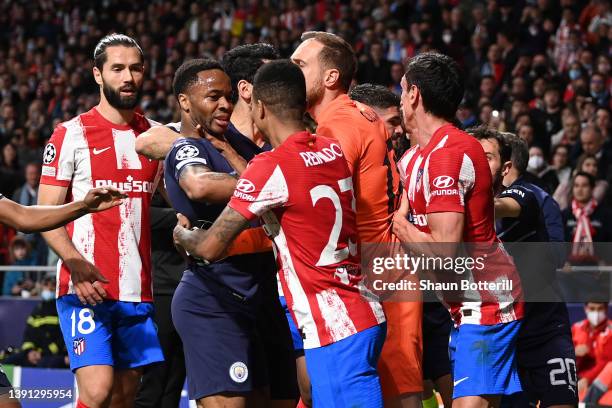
pixel 187 74
pixel 281 86
pixel 113 40
pixel 242 62
pixel 373 95
pixel 520 152
pixel 587 175
pixel 482 132
pixel 336 53
pixel 439 81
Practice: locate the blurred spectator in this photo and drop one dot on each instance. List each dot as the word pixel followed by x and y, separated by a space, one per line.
pixel 542 174
pixel 568 135
pixel 526 133
pixel 43 344
pixel 567 40
pixel 375 68
pixel 599 91
pixel 18 283
pixel 549 117
pixel 27 194
pixel 602 121
pixel 587 163
pixel 560 162
pixel 593 343
pixel 585 221
pixel 592 143
pixel 10 171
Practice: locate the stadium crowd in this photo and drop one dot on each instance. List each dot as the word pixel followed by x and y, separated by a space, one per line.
pixel 540 69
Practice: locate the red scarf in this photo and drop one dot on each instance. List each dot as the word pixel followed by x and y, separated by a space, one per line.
pixel 582 247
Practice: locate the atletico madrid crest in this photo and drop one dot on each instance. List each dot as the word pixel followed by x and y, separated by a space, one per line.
pixel 78 346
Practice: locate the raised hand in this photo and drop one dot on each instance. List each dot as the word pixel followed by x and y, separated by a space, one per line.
pixel 103 198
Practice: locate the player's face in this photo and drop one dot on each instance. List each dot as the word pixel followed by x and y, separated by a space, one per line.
pixel 407 101
pixel 491 148
pixel 392 120
pixel 306 56
pixel 121 77
pixel 258 120
pixel 581 190
pixel 209 101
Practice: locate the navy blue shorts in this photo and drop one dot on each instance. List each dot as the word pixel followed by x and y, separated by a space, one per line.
pixel 437 325
pixel 223 352
pixel 548 371
pixel 273 328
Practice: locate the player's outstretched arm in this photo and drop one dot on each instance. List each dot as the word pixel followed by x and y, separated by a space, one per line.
pixel 43 218
pixel 507 207
pixel 202 184
pixel 156 142
pixel 210 244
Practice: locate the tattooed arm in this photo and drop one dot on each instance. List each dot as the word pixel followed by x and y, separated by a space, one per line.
pixel 202 184
pixel 210 244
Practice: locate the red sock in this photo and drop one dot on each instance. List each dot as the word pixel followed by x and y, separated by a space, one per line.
pixel 80 404
pixel 299 405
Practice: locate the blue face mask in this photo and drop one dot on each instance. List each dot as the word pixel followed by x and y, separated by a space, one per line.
pixel 574 74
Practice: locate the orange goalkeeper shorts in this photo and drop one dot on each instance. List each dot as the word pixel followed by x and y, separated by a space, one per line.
pixel 400 364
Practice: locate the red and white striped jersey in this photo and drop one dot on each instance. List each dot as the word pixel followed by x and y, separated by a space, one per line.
pixel 451 174
pixel 86 152
pixel 303 190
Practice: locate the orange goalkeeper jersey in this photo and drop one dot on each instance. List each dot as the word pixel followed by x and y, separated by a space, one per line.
pixel 368 151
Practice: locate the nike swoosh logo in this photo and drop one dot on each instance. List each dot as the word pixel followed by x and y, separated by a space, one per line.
pixel 96 151
pixel 460 381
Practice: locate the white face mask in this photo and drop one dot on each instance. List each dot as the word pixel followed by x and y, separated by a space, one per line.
pixel 595 317
pixel 47 294
pixel 536 162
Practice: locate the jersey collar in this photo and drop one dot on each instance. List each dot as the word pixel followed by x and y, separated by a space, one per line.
pixel 436 138
pixel 331 108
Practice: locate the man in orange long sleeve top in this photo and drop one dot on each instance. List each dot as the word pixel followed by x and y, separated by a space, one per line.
pixel 328 64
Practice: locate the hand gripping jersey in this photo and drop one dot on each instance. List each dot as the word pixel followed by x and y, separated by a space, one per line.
pixel 451 174
pixel 86 152
pixel 303 192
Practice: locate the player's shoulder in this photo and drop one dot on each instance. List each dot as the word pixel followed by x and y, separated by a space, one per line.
pixel 344 116
pixel 458 138
pixel 186 147
pixel 520 189
pixel 455 144
pixel 270 157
